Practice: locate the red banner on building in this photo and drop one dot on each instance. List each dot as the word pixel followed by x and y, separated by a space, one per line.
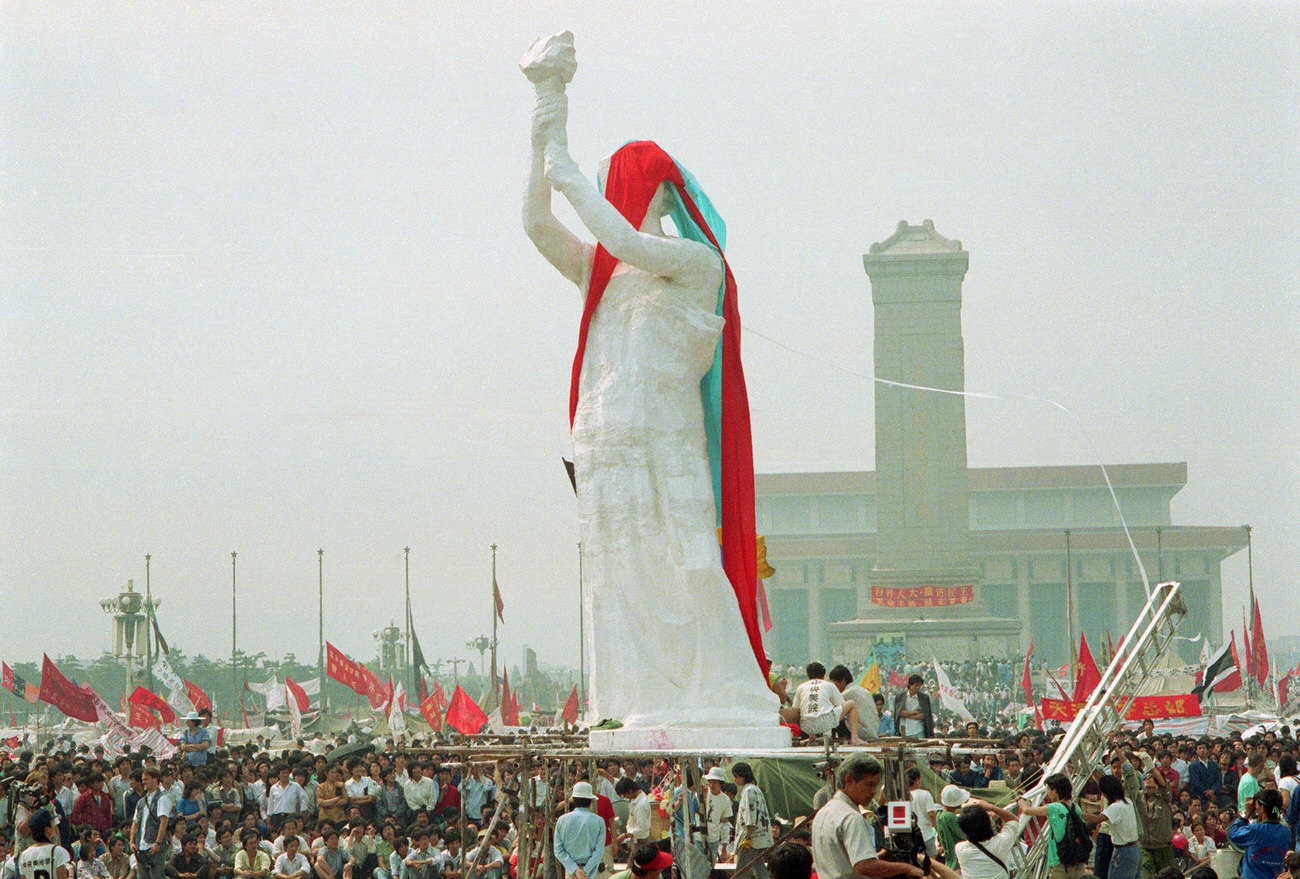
pixel 64 695
pixel 1141 708
pixel 344 670
pixel 922 596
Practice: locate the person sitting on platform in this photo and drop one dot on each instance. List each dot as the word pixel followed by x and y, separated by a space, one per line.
pixel 818 706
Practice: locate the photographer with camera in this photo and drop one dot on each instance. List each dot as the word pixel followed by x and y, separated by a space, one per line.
pixel 843 843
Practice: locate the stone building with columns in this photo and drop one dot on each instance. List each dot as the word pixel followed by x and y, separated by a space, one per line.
pixel 958 562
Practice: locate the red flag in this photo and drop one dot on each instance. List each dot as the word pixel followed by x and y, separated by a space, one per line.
pixel 298 693
pixel 1086 676
pixel 1260 652
pixel 897 679
pixel 64 695
pixel 141 717
pixel 764 611
pixel 1245 644
pixel 146 699
pixel 198 698
pixel 464 715
pixel 431 708
pixel 509 707
pixel 424 689
pixel 1232 681
pixel 570 712
pixel 243 709
pixel 344 670
pixel 1025 680
pixel 439 694
pixel 374 688
pixel 496 597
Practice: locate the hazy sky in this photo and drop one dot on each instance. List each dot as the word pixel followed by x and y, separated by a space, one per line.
pixel 265 289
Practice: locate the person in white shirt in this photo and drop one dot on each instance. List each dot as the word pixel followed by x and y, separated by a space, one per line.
pixel 862 701
pixel 292 864
pixel 924 809
pixel 284 798
pixel 843 844
pixel 45 858
pixel 1200 847
pixel 984 854
pixel 637 832
pixel 421 792
pixel 361 789
pixel 717 816
pixel 818 706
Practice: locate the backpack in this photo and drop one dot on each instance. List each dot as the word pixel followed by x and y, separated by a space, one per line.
pixel 1076 845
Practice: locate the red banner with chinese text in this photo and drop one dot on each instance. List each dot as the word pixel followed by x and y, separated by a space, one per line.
pixel 1142 708
pixel 922 596
pixel 344 670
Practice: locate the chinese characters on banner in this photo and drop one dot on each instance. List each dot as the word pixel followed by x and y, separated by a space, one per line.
pixel 1141 708
pixel 922 596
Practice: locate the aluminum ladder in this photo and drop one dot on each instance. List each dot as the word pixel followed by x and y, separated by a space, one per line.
pixel 1086 742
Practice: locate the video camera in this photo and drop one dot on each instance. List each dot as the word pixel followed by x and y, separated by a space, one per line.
pixel 905 845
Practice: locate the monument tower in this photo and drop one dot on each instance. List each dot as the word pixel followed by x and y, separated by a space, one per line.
pixel 924 582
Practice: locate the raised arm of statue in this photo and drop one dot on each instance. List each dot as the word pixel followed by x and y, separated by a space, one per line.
pixel 553 240
pixel 550 63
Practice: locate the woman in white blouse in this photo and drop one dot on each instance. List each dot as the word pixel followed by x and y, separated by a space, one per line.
pixel 985 854
pixel 1200 847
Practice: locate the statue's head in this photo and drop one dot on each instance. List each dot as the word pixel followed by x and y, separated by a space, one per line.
pixel 640 180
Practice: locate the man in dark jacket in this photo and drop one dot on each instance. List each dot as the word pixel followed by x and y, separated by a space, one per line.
pixel 912 714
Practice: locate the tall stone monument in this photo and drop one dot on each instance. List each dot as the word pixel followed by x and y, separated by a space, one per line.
pixel 924 583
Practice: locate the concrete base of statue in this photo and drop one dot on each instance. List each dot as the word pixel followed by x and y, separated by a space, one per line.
pixel 721 739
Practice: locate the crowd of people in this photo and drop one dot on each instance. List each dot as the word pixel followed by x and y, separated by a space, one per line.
pixel 1158 806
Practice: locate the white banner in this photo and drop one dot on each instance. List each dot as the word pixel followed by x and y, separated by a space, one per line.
pixel 116 725
pixel 396 718
pixel 950 698
pixel 295 715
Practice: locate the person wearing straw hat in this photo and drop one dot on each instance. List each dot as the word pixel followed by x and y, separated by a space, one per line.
pixel 195 740
pixel 717 814
pixel 580 836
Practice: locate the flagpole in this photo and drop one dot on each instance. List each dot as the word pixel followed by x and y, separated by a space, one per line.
pixel 234 668
pixel 320 622
pixel 582 642
pixel 407 653
pixel 494 620
pixel 148 635
pixel 1069 609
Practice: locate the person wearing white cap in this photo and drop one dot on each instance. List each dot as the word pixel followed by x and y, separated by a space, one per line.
pixel 717 813
pixel 580 836
pixel 951 798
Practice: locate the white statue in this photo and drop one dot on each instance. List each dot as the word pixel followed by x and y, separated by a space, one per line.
pixel 669 648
